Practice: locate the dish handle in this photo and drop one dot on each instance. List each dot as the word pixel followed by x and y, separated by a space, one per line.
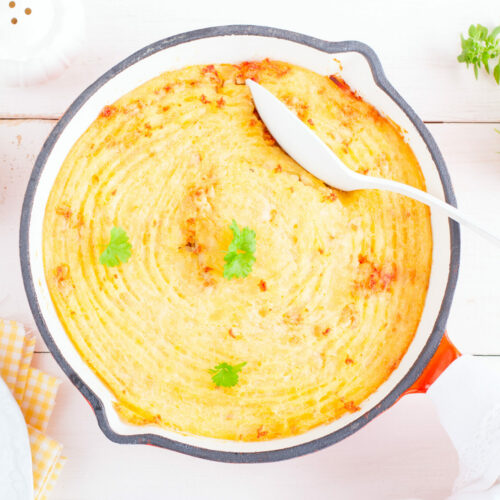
pixel 445 354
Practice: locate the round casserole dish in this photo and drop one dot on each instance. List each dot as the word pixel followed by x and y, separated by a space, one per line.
pixel 361 69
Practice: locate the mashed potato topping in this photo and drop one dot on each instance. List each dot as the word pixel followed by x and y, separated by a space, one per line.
pixel 339 281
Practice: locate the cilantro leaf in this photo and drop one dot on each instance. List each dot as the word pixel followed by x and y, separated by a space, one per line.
pixel 118 249
pixel 225 375
pixel 240 254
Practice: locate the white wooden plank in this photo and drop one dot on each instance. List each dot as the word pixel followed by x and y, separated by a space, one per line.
pixel 471 154
pixel 417 41
pixel 401 454
pixel 20 142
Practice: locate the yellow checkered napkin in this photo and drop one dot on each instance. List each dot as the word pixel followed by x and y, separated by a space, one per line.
pixel 12 337
pixel 24 366
pixel 45 453
pixel 35 392
pixel 39 398
pixel 52 478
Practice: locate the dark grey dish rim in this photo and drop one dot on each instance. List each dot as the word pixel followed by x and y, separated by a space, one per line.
pixel 224 456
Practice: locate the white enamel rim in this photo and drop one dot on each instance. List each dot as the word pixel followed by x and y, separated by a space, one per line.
pixel 217 45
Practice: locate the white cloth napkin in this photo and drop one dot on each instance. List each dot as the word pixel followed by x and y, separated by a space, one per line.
pixel 16 476
pixel 467 399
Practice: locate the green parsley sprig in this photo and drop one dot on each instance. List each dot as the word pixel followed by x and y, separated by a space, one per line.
pixel 118 249
pixel 480 48
pixel 225 375
pixel 240 256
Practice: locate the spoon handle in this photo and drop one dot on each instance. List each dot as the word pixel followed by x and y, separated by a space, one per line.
pixel 432 201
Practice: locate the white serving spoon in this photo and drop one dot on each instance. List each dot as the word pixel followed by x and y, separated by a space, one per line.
pixel 309 151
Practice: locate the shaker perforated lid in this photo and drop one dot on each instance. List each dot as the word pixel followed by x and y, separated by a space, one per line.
pixel 38 39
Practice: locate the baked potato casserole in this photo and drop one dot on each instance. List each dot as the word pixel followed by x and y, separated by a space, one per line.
pixel 335 283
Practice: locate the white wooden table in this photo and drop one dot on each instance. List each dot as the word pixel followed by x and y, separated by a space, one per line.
pixel 402 454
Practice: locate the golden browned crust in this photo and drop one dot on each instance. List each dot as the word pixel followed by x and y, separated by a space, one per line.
pixel 336 292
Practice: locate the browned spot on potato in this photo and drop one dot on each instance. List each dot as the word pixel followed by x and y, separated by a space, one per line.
pixel 375 278
pixel 108 111
pixel 297 105
pixel 293 317
pixel 64 211
pixel 351 407
pixel 342 85
pixel 261 432
pixel 331 196
pixel 61 273
pixel 268 137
